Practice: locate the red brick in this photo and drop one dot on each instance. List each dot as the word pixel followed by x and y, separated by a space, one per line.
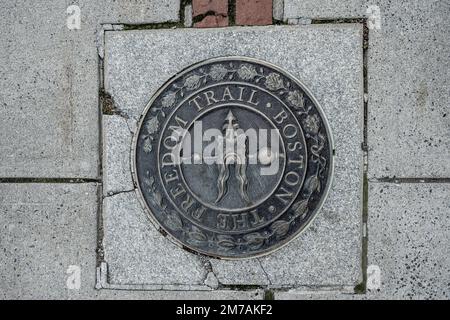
pixel 220 7
pixel 212 22
pixel 216 10
pixel 253 12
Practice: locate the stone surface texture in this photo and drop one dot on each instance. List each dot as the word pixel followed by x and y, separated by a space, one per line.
pixel 48 100
pixel 317 295
pixel 409 229
pixel 253 12
pixel 177 295
pixel 51 128
pixel 325 9
pixel 278 10
pixel 117 139
pixel 188 16
pixel 315 258
pixel 137 253
pixel 49 83
pixel 45 229
pixel 408 137
pixel 409 77
pixel 408 65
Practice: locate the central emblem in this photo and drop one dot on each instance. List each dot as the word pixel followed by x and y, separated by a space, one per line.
pixel 233 157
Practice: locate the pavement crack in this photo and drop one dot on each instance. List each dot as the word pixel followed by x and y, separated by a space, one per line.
pixel 210 279
pixel 264 271
pixel 128 126
pixel 206 264
pixel 397 180
pixel 115 193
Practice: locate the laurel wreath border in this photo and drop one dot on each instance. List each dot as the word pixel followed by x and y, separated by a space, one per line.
pixel 275 83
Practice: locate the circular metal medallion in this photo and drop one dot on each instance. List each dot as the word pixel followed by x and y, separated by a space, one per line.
pixel 233 157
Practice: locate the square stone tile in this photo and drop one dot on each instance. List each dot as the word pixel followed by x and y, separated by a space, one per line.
pixel 326 254
pixel 324 9
pixel 408 79
pixel 48 99
pixel 409 240
pixel 47 232
pixel 132 12
pixel 137 253
pixel 49 83
pixel 328 59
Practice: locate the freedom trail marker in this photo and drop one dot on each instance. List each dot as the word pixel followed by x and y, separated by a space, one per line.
pixel 233 157
pixel 222 155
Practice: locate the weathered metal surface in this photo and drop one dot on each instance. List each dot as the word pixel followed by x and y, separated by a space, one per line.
pixel 233 157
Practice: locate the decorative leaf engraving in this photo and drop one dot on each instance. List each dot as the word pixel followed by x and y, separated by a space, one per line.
pixel 218 72
pixel 158 198
pixel 311 124
pixel 149 181
pixel 192 82
pixel 280 228
pixel 173 221
pixel 196 236
pixel 226 242
pixel 148 145
pixel 312 184
pixel 152 125
pixel 254 240
pixel 274 82
pixel 169 100
pixel 247 72
pixel 300 208
pixel 297 100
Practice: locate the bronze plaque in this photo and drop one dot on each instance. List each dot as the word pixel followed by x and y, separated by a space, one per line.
pixel 233 157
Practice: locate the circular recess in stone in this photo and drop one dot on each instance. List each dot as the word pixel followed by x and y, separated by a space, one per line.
pixel 233 158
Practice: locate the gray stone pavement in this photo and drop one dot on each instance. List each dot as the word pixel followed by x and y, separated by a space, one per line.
pixel 49 229
pixel 49 83
pixel 409 239
pixel 408 80
pixel 330 64
pixel 46 228
pixel 408 137
pixel 50 129
pixel 178 295
pixel 117 139
pixel 324 9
